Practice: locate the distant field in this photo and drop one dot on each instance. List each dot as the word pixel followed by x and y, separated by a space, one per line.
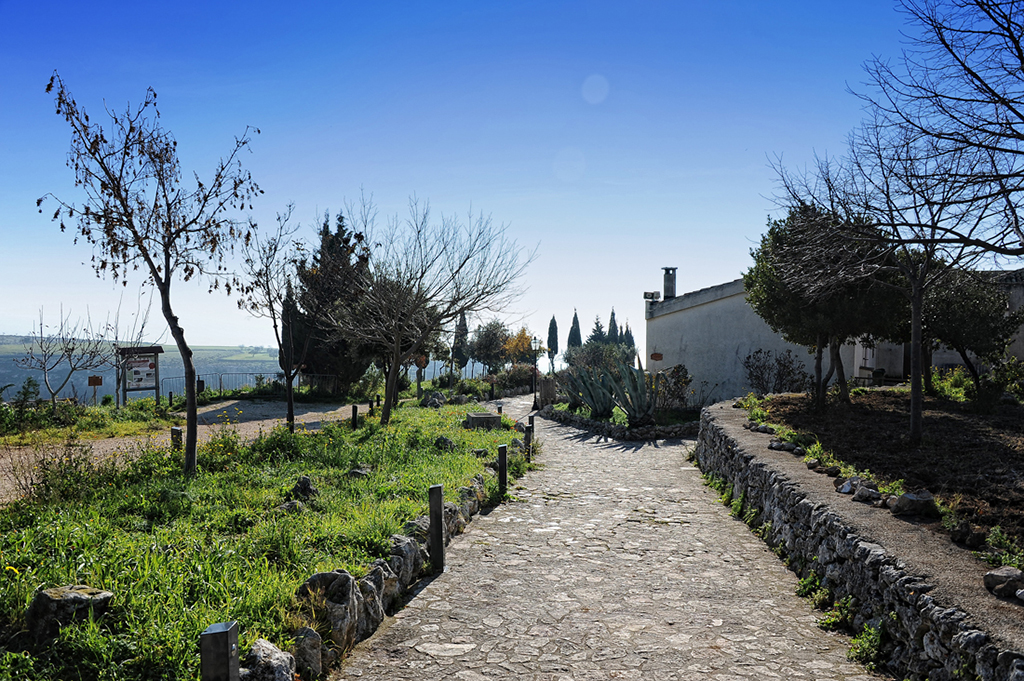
pixel 209 359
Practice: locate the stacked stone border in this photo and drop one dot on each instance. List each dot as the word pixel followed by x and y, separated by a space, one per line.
pixel 618 432
pixel 930 642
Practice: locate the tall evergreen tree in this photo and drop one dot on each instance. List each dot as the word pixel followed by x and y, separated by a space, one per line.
pixel 627 337
pixel 460 346
pixel 332 271
pixel 552 342
pixel 613 329
pixel 575 339
pixel 597 334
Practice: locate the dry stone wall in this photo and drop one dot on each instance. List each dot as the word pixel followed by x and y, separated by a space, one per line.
pixel 926 639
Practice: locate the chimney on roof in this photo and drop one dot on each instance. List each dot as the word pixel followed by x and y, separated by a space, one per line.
pixel 670 282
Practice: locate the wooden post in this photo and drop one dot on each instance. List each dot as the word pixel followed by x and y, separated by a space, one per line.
pixel 176 438
pixel 528 443
pixel 355 416
pixel 378 400
pixel 370 405
pixel 502 470
pixel 531 420
pixel 436 539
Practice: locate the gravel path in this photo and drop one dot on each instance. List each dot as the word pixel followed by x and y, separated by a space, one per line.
pixel 615 562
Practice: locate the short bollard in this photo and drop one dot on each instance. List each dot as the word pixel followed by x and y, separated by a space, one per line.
pixel 492 392
pixel 218 652
pixel 531 420
pixel 355 416
pixel 176 438
pixel 499 410
pixel 370 405
pixel 528 443
pixel 170 400
pixel 502 470
pixel 437 528
pixel 378 400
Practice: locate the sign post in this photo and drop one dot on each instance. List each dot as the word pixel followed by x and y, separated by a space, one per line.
pixel 140 370
pixel 94 382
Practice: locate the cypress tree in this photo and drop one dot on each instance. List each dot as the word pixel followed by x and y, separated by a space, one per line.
pixel 552 342
pixel 460 346
pixel 575 339
pixel 613 330
pixel 627 337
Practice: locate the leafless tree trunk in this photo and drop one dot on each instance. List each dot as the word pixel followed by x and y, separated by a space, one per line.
pixel 422 276
pixel 67 349
pixel 138 214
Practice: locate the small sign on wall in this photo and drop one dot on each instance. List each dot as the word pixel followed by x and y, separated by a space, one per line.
pixel 657 356
pixel 95 381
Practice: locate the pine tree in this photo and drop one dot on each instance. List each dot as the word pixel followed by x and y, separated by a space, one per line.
pixel 575 339
pixel 552 342
pixel 597 334
pixel 613 329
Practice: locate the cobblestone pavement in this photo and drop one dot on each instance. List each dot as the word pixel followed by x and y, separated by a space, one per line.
pixel 615 562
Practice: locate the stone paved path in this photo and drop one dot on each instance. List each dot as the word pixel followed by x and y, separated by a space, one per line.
pixel 614 563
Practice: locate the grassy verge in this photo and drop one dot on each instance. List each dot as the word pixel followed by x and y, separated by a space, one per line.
pixel 180 554
pixel 21 426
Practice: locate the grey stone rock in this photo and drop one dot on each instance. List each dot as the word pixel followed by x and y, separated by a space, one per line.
pixel 831 471
pixel 303 489
pixel 520 426
pixel 866 494
pixel 266 662
pixel 358 473
pixel 54 608
pixel 417 528
pixel 814 463
pixel 517 446
pixel 920 503
pixel 406 559
pixel 371 603
pixel 444 444
pixel 799 451
pixel 291 507
pixel 460 400
pixel 849 486
pixel 1004 581
pixel 307 653
pixel 480 453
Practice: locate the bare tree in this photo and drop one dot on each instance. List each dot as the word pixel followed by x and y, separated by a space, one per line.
pixel 422 276
pixel 905 193
pixel 271 265
pixel 960 84
pixel 61 352
pixel 139 213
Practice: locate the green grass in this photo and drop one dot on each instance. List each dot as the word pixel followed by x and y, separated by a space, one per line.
pixel 33 425
pixel 180 554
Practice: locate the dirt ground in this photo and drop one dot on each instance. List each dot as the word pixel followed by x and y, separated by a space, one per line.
pixel 973 461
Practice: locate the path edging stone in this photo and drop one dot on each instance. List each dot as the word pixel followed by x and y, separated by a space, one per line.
pixel 931 642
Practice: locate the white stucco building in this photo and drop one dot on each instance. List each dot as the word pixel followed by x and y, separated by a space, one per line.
pixel 711 332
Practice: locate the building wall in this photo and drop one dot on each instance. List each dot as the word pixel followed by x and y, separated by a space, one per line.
pixel 712 331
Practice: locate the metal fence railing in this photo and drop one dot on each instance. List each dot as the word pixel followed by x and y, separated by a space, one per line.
pixel 240 381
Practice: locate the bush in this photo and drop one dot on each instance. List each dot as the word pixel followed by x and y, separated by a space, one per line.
pixel 516 376
pixel 778 373
pixel 674 387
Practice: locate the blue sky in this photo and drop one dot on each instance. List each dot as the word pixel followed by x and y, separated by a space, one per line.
pixel 617 137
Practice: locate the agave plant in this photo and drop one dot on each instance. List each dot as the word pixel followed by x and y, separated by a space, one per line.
pixel 633 395
pixel 594 389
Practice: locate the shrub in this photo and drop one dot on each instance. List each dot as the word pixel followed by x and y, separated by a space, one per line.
pixel 674 387
pixel 775 373
pixel 516 376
